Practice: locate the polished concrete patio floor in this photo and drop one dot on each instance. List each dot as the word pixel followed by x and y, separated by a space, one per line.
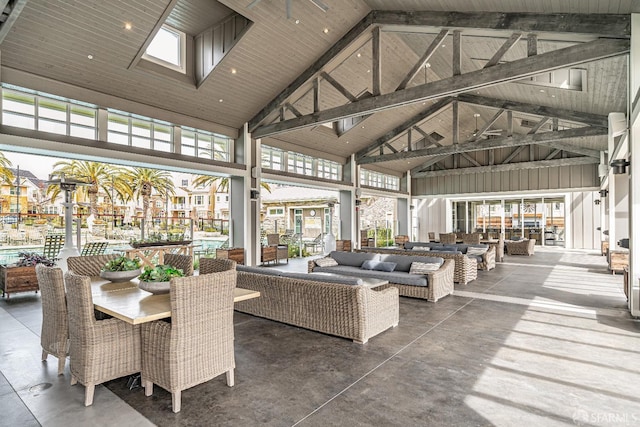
pixel 542 340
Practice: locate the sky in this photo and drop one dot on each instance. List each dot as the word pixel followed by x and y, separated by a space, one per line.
pixel 40 166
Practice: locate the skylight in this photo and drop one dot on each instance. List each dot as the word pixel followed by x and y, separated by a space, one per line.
pixel 168 48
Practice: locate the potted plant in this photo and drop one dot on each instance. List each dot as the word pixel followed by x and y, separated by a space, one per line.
pixel 21 276
pixel 121 269
pixel 156 279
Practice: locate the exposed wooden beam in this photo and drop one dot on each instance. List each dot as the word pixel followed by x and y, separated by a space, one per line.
pixel 316 94
pixel 293 109
pixel 571 161
pixel 343 90
pixel 487 125
pixel 326 57
pixel 502 73
pixel 513 154
pixel 506 46
pixel 16 9
pixel 612 25
pixel 423 59
pixel 470 159
pixel 456 53
pixel 537 110
pixel 510 123
pixel 409 139
pixel 456 121
pixel 514 141
pixel 376 66
pixel 567 146
pixel 427 164
pixel 389 146
pixel 532 45
pixel 393 133
pixel 552 154
pixel 538 125
pixel 428 138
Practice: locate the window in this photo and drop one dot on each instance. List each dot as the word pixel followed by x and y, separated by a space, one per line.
pixel 168 48
pixel 137 131
pixel 205 145
pixel 276 211
pixel 328 169
pixel 185 182
pixel 199 200
pixel 272 158
pixel 379 180
pixel 300 164
pixel 46 114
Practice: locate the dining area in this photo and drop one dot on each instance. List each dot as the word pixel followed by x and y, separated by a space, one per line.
pixel 174 336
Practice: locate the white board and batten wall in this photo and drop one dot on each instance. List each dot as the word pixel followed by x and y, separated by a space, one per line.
pixel 433 198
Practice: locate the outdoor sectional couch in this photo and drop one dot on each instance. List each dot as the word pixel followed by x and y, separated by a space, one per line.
pixel 335 305
pixel 430 286
pixel 465 268
pixel 486 261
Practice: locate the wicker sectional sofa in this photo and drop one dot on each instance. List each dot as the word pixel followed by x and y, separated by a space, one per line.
pixel 431 286
pixel 520 247
pixel 465 268
pixel 486 261
pixel 329 304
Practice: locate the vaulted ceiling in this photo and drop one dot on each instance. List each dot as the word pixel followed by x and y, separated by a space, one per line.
pixel 427 114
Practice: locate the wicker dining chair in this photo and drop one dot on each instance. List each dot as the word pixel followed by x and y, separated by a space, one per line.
pixel 100 350
pixel 181 262
pixel 282 250
pixel 89 265
pixel 471 238
pixel 448 238
pixel 197 345
pixel 54 336
pixel 215 265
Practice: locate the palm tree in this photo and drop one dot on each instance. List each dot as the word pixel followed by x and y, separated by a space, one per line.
pixel 219 184
pixel 99 176
pixel 142 182
pixel 5 173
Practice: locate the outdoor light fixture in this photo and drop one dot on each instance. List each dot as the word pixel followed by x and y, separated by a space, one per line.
pixel 619 166
pixel 604 193
pixel 596 201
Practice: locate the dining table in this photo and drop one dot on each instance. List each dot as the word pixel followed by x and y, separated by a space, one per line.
pixel 127 302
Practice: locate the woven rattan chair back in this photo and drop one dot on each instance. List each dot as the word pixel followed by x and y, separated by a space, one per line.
pixel 100 350
pixel 88 265
pixel 52 245
pixel 214 265
pixel 94 248
pixel 448 238
pixel 54 336
pixel 273 239
pixel 182 262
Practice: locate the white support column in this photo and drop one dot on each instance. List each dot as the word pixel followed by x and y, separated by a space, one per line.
pixel 634 168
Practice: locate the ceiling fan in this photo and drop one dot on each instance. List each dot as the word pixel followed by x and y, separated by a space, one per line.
pixel 317 3
pixel 489 133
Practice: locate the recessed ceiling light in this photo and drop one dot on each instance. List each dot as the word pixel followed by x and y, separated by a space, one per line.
pixel 220 100
pixel 542 90
pixel 368 71
pixel 347 142
pixel 444 45
pixel 553 96
pixel 297 21
pixel 427 65
pixel 90 56
pixel 326 31
pixel 358 54
pixel 127 25
pixel 233 71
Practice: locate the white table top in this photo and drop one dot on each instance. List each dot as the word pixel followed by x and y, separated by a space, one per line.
pixel 127 302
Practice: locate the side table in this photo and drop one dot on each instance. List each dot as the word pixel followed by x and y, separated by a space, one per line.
pixel 236 254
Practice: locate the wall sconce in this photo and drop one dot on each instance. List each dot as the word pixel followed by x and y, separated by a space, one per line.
pixel 596 201
pixel 255 194
pixel 619 166
pixel 604 193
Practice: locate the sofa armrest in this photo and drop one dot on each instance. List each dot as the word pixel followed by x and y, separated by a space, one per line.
pixel 441 281
pixel 381 309
pixel 489 259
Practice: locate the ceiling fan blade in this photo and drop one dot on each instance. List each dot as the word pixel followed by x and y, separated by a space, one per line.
pixel 253 3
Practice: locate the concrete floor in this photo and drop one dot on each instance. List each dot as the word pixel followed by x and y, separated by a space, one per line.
pixel 542 340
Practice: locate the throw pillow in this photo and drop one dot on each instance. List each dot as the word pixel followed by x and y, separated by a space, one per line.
pixel 369 264
pixel 326 262
pixel 385 266
pixel 423 267
pixel 476 251
pixel 421 248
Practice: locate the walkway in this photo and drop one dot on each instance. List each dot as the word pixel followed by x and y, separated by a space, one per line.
pixel 542 340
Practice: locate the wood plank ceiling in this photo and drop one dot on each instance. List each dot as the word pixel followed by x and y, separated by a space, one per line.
pixel 52 39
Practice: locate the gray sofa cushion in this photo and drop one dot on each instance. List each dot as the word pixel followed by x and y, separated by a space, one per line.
pixel 372 264
pixel 353 259
pixel 259 270
pixel 398 277
pixel 403 262
pixel 410 245
pixel 324 277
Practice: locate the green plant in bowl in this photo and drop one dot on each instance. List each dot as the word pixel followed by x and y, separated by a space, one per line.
pixel 156 279
pixel 121 269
